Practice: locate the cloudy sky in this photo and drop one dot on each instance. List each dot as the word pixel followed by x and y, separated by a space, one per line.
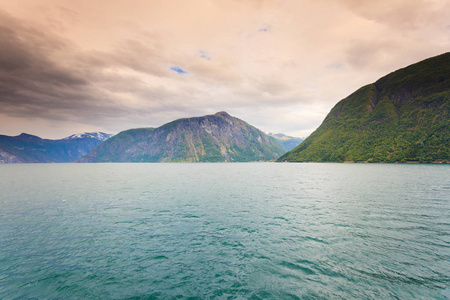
pixel 69 66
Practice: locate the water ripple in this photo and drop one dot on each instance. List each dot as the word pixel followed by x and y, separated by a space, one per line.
pixel 224 231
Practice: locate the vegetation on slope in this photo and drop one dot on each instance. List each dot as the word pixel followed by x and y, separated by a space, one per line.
pixel 402 117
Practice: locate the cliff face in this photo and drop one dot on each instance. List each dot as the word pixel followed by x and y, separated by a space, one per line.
pixel 212 138
pixel 402 117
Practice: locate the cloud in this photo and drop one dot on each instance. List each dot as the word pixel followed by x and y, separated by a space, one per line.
pixel 30 71
pixel 397 14
pixel 144 56
pixel 204 55
pixel 265 28
pixel 221 71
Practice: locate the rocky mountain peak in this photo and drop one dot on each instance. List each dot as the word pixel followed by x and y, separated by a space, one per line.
pixel 222 114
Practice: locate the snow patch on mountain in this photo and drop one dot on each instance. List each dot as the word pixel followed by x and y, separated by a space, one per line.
pixel 101 136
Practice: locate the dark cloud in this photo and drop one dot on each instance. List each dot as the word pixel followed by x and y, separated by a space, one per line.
pixel 30 74
pixel 45 76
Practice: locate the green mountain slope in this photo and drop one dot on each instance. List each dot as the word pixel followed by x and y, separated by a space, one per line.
pixel 212 138
pixel 402 117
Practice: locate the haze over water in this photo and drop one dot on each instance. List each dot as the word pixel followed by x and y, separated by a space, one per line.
pixel 225 231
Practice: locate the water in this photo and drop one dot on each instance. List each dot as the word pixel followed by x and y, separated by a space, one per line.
pixel 224 231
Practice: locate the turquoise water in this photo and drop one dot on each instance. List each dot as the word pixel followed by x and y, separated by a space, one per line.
pixel 224 231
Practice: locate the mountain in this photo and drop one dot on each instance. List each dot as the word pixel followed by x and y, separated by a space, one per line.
pixel 402 117
pixel 212 138
pixel 26 148
pixel 287 142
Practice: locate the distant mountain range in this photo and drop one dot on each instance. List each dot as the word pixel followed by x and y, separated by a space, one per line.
pixel 26 148
pixel 212 138
pixel 402 117
pixel 287 142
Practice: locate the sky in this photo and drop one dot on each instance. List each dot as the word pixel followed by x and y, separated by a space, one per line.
pixel 70 66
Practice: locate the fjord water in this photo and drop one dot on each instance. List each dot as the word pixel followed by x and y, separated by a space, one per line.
pixel 225 231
